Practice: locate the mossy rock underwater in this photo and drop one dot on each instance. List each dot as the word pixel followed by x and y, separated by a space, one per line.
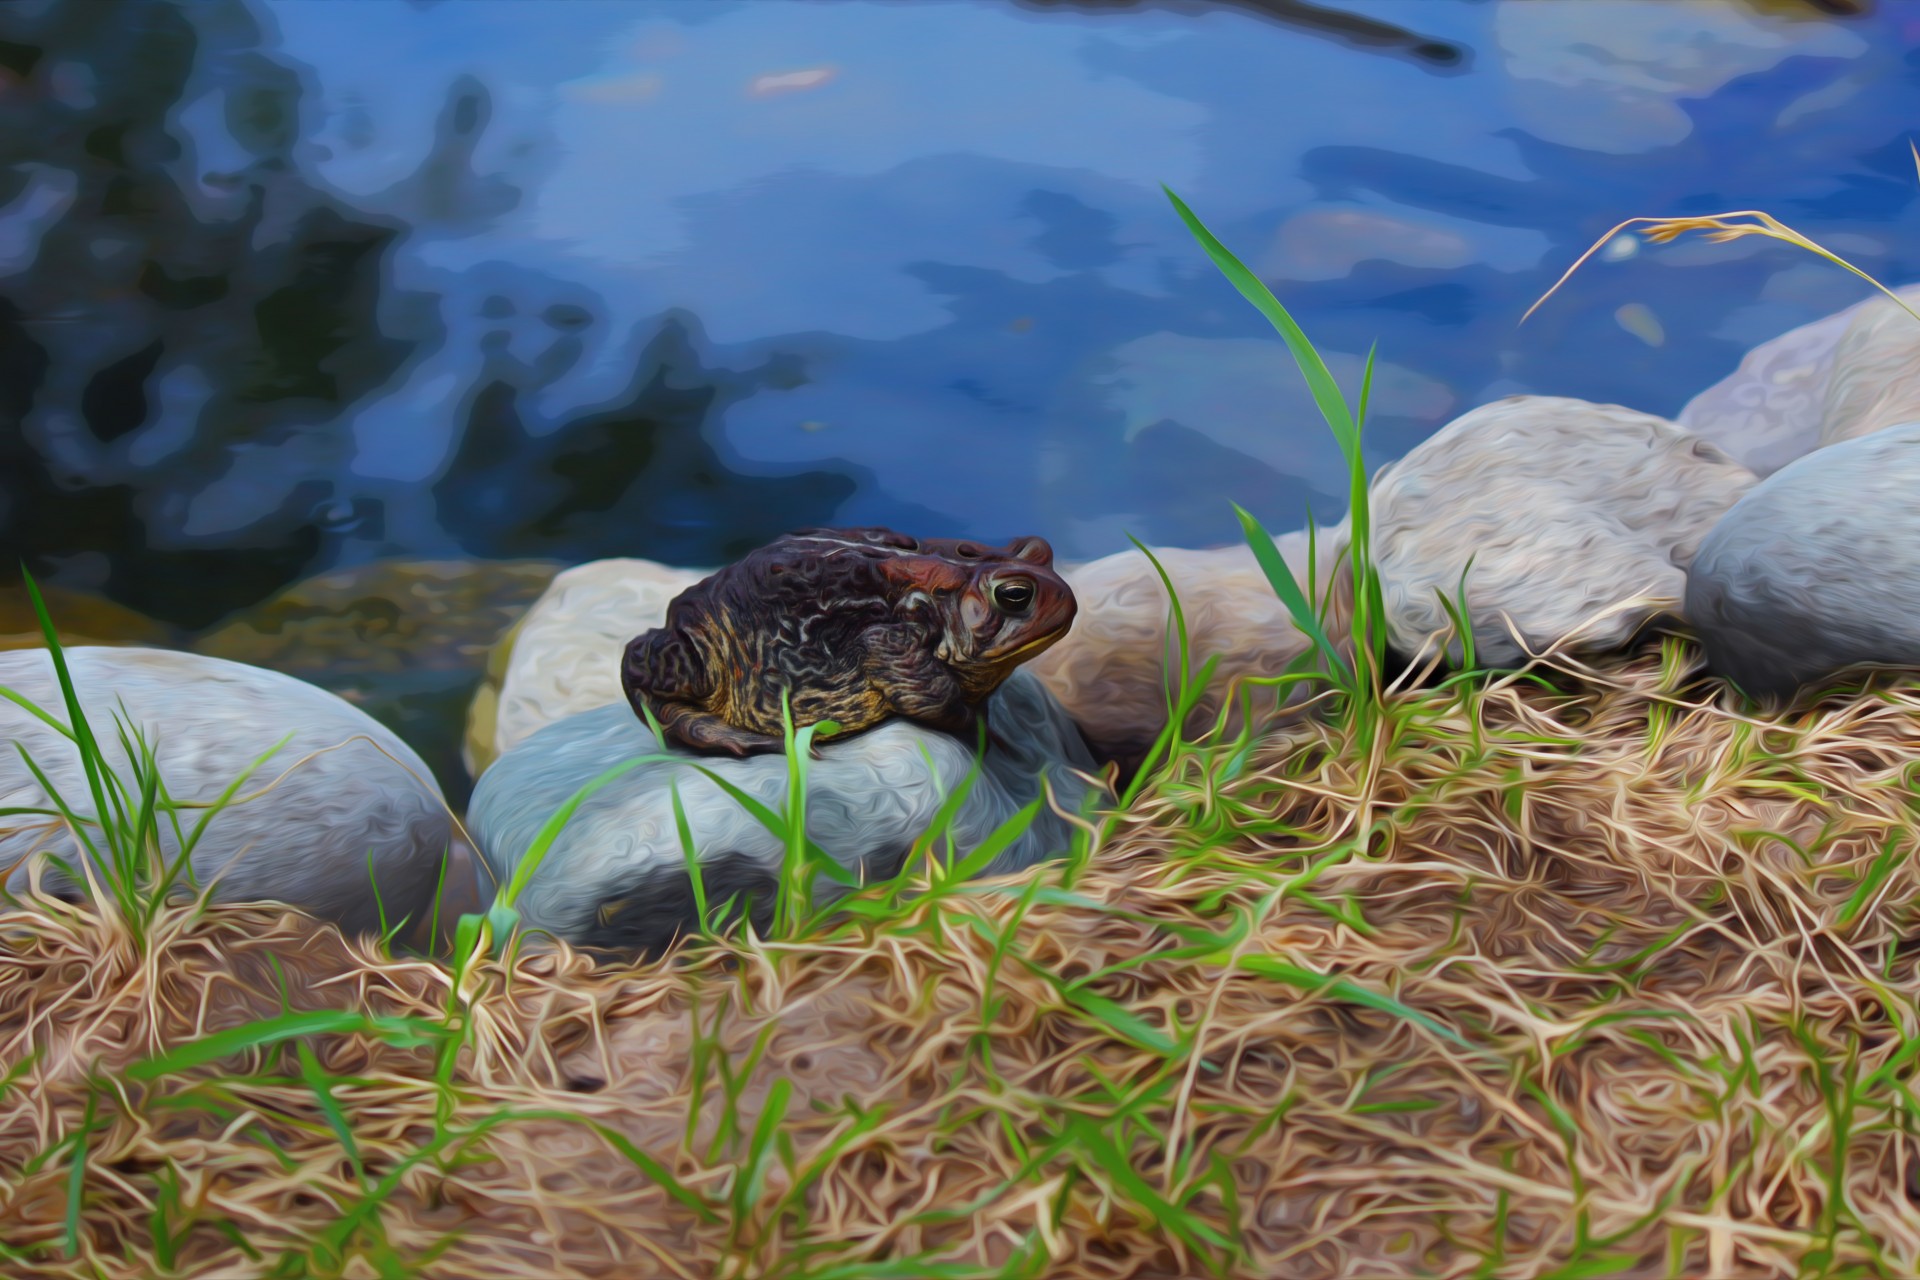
pixel 404 640
pixel 79 617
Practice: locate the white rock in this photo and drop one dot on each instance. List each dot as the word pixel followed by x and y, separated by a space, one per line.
pixel 1567 510
pixel 1109 672
pixel 616 876
pixel 1875 381
pixel 348 792
pixel 566 655
pixel 1771 409
pixel 1816 569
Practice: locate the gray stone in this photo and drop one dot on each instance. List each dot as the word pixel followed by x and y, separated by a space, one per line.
pixel 1776 406
pixel 1816 569
pixel 616 876
pixel 343 791
pixel 1875 382
pixel 1579 520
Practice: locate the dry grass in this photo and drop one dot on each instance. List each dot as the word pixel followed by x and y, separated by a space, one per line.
pixel 1588 973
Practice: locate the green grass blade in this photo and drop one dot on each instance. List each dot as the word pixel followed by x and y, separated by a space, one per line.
pixel 91 759
pixel 1179 685
pixel 272 1031
pixel 34 709
pixel 772 1116
pixel 321 1086
pixel 1343 989
pixel 46 784
pixel 1326 392
pixel 550 830
pixel 998 841
pixel 1287 587
pixel 684 831
pixel 1870 883
pixel 1111 1162
pixel 77 1176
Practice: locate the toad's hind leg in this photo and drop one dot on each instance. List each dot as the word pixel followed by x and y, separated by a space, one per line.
pixel 662 673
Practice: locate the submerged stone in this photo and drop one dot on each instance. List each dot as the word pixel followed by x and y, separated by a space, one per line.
pixel 79 617
pixel 406 641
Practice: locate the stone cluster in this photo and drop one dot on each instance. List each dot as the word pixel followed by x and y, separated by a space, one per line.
pixel 1774 518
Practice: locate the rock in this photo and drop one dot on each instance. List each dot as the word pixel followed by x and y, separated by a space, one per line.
pixel 566 655
pixel 1771 409
pixel 78 619
pixel 1875 380
pixel 354 800
pixel 483 712
pixel 405 641
pixel 1816 569
pixel 616 878
pixel 1109 673
pixel 1567 509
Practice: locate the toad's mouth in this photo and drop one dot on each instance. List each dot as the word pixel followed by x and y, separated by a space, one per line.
pixel 1030 647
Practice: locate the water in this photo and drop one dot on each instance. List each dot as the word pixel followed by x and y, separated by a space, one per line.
pixel 292 285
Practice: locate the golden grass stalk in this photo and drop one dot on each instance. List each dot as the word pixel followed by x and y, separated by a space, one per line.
pixel 1721 227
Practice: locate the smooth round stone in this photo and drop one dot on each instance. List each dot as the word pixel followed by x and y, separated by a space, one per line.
pixel 1875 383
pixel 616 876
pixel 1816 569
pixel 564 656
pixel 1572 523
pixel 349 805
pixel 1778 404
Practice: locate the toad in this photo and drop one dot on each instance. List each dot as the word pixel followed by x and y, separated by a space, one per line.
pixel 854 626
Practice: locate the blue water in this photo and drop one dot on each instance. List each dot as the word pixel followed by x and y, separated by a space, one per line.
pixel 664 278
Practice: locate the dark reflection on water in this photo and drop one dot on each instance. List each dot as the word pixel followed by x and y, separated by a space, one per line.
pixel 151 331
pixel 285 286
pixel 1357 30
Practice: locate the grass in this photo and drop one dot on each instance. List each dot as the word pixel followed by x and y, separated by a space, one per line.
pixel 1572 971
pixel 125 860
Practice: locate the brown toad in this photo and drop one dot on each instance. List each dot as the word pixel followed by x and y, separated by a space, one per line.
pixel 854 625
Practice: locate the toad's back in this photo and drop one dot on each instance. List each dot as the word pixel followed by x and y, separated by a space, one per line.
pixel 853 625
pixel 790 617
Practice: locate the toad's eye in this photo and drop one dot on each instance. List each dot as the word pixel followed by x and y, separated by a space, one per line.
pixel 1013 595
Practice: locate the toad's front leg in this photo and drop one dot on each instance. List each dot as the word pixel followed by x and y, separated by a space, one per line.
pixel 918 685
pixel 705 733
